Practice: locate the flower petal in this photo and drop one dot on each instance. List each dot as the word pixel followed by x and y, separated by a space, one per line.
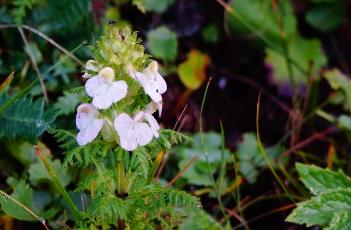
pixel 93 85
pixel 85 112
pixel 149 86
pixel 153 124
pixel 132 133
pixel 90 132
pixel 118 90
pixel 143 134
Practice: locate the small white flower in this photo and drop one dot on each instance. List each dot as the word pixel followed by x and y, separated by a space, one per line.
pixel 104 90
pixel 135 132
pixel 88 123
pixel 153 83
pixel 91 65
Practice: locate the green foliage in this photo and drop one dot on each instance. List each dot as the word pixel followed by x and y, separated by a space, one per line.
pixel 162 43
pixel 68 103
pixel 23 194
pixel 326 16
pixel 263 20
pixel 20 9
pixel 66 15
pixel 320 181
pixel 198 219
pixel 250 158
pixel 330 206
pixel 198 172
pixel 158 6
pixel 25 118
pixel 211 34
pixel 38 173
pixel 342 85
pixel 307 54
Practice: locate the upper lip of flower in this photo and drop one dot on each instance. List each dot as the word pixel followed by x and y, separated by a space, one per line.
pixel 104 90
pixel 152 82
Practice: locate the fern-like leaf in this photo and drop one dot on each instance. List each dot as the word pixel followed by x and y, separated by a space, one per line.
pixel 25 118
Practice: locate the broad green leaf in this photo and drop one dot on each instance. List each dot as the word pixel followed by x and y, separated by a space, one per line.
pixel 319 180
pixel 192 72
pixel 250 158
pixel 198 172
pixel 263 17
pixel 22 194
pixel 326 17
pixel 39 174
pixel 162 43
pixel 308 54
pixel 319 210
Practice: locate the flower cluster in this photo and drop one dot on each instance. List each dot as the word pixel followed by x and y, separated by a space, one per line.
pixel 133 128
pixel 105 90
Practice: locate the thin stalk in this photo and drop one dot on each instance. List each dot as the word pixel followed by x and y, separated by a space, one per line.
pixel 34 63
pixel 55 180
pixel 45 37
pixel 209 171
pixel 263 151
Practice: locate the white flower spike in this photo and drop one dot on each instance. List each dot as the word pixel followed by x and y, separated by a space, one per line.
pixel 135 132
pixel 104 90
pixel 152 82
pixel 88 123
pixel 91 65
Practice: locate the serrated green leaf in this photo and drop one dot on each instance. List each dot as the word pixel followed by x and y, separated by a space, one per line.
pixel 340 221
pixel 162 43
pixel 25 118
pixel 319 210
pixel 320 181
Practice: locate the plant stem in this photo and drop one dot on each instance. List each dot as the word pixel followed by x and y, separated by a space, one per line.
pixel 121 175
pixel 55 180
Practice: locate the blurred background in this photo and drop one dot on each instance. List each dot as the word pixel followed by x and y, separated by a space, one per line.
pixel 296 54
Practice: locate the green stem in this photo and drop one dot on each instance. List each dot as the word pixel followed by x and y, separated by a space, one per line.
pixel 55 180
pixel 121 175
